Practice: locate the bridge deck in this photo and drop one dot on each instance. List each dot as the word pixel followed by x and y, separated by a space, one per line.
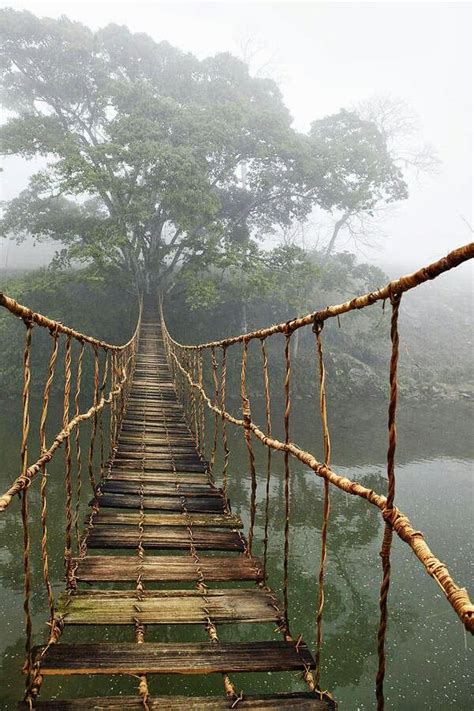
pixel 159 500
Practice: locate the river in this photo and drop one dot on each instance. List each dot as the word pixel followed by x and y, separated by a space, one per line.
pixel 429 656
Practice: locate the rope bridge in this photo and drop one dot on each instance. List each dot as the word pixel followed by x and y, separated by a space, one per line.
pixel 150 456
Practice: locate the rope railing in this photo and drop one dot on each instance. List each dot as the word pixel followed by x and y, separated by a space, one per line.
pixel 110 368
pixel 188 369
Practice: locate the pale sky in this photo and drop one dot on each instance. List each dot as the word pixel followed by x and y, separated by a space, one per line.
pixel 328 55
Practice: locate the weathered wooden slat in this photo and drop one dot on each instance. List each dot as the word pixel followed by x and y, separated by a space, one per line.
pixel 201 504
pixel 274 702
pixel 112 607
pixel 184 455
pixel 174 658
pixel 157 519
pixel 160 488
pixel 156 465
pixel 160 476
pixel 155 440
pixel 163 537
pixel 165 465
pixel 167 568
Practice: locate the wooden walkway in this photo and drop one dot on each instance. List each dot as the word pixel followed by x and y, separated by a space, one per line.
pixel 159 519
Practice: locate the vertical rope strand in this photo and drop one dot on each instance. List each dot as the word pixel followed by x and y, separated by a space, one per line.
pixel 25 507
pixel 225 445
pixel 268 420
pixel 103 385
pixel 287 478
pixel 68 460
pixel 93 434
pixel 246 414
pixel 317 328
pixel 388 531
pixel 77 441
pixel 44 474
pixel 216 403
pixel 202 419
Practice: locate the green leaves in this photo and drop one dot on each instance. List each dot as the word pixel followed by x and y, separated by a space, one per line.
pixel 354 166
pixel 160 162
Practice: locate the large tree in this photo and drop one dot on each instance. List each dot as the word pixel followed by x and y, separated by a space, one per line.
pixel 156 161
pixel 143 144
pixel 357 171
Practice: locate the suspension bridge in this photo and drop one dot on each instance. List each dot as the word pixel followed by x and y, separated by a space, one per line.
pixel 161 545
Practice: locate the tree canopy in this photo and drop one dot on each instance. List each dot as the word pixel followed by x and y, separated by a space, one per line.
pixel 158 161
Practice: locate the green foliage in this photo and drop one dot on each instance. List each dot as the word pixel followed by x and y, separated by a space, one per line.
pixel 103 307
pixel 159 162
pixel 356 168
pixel 144 143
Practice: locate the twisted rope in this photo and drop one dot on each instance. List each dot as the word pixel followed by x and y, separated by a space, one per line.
pixel 318 327
pixel 268 419
pixel 388 529
pixel 248 443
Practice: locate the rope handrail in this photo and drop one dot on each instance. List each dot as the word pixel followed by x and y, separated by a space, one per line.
pixel 56 328
pixel 24 480
pixel 187 366
pixel 396 286
pixel 111 367
pixel 29 315
pixel 457 596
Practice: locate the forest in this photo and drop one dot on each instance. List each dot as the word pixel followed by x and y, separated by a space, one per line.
pixel 162 172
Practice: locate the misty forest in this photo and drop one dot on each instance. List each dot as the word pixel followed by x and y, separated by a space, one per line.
pixel 157 175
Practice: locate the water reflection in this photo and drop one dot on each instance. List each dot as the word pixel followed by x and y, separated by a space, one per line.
pixel 428 663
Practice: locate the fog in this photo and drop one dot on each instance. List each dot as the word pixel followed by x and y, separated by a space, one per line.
pixel 326 56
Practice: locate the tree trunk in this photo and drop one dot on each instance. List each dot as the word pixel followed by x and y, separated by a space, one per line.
pixel 337 228
pixel 245 327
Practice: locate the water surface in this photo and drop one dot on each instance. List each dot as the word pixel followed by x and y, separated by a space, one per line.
pixel 429 657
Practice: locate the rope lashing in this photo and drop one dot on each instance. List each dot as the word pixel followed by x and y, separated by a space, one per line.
pixel 192 372
pixel 70 428
pixel 388 529
pixel 394 520
pixel 317 329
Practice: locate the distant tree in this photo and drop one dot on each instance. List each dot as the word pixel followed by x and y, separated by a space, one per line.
pixel 400 127
pixel 357 171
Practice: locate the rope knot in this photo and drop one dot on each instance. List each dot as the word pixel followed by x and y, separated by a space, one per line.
pixel 318 324
pixel 28 319
pixel 395 297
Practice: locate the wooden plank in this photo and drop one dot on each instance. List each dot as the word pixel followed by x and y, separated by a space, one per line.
pixel 158 439
pixel 188 455
pixel 179 445
pixel 155 477
pixel 201 504
pixel 183 464
pixel 111 568
pixel 274 702
pixel 163 537
pixel 160 466
pixel 173 658
pixel 161 488
pixel 157 519
pixel 110 607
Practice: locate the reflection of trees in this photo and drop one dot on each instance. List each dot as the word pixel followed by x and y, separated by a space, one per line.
pixel 352 570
